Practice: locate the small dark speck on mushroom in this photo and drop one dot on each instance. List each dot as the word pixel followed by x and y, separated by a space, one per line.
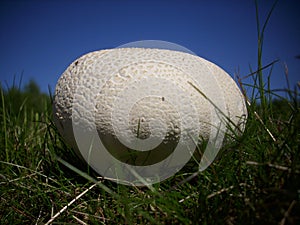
pixel 163 98
pixel 76 63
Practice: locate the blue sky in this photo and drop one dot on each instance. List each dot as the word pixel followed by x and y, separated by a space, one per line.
pixel 41 38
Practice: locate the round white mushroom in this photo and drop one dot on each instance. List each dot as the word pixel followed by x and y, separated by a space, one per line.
pixel 140 100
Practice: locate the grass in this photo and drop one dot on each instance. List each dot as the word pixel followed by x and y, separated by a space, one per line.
pixel 255 180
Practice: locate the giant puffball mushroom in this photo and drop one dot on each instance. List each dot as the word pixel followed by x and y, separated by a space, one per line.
pixel 131 95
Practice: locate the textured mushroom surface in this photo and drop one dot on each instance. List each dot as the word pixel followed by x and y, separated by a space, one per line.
pixel 145 98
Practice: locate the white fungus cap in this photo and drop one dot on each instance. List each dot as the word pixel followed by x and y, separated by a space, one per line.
pixel 146 99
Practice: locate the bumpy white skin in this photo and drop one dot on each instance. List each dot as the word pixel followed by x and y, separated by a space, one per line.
pixel 147 63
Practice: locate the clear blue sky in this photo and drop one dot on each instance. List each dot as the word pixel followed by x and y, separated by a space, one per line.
pixel 41 38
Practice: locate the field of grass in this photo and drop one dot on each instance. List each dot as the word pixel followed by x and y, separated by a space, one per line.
pixel 255 179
